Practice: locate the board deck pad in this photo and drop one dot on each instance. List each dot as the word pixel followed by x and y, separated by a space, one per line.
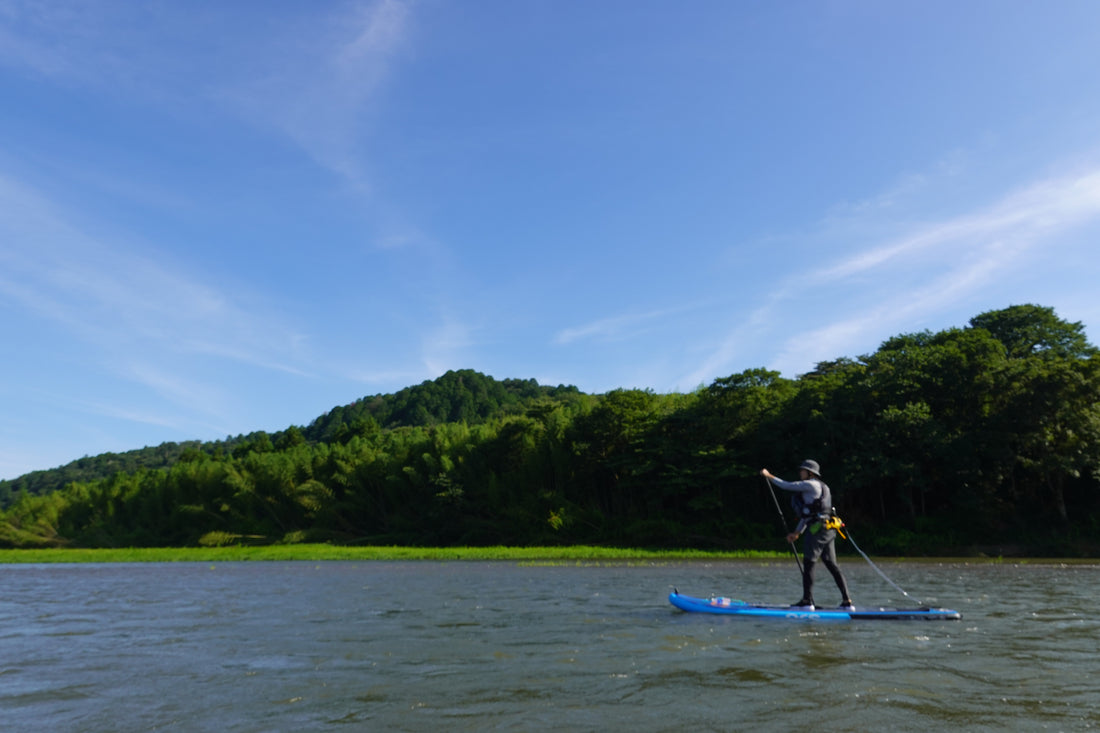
pixel 732 607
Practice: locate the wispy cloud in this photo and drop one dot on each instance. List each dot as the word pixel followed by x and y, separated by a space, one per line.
pixel 731 346
pixel 114 297
pixel 102 46
pixel 174 387
pixel 1023 217
pixel 909 277
pixel 42 38
pixel 839 337
pixel 310 75
pixel 959 257
pixel 383 378
pixel 320 95
pixel 444 347
pixel 158 418
pixel 604 328
pixel 616 327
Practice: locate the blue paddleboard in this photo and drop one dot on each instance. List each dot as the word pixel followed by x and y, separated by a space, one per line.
pixel 731 607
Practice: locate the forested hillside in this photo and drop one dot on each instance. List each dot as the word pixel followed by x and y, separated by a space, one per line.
pixel 987 435
pixel 457 396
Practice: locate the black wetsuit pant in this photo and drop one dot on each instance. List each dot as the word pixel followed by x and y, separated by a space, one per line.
pixel 820 546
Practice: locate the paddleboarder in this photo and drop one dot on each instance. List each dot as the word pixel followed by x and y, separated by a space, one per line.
pixel 814 503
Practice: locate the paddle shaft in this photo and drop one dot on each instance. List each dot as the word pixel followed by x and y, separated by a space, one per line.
pixel 783 522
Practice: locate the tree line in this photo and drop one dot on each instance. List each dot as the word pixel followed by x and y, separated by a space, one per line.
pixel 987 435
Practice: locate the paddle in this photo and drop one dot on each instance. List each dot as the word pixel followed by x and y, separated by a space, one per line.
pixel 783 522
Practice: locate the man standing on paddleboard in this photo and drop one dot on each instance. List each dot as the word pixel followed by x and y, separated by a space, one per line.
pixel 814 504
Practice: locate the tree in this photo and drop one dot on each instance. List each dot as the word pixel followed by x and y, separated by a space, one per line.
pixel 1032 330
pixel 984 433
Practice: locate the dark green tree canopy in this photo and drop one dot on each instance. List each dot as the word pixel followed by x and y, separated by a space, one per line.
pixel 939 442
pixel 1032 330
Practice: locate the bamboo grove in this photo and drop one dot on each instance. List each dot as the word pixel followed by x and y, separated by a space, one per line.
pixel 937 443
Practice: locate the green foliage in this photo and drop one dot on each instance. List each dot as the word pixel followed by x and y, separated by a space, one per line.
pixel 937 441
pixel 1032 330
pixel 457 396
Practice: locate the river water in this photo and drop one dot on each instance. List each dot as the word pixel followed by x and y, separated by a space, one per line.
pixel 505 646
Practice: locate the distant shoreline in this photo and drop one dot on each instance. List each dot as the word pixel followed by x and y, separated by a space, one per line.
pixel 533 555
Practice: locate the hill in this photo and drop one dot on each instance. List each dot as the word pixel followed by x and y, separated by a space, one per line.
pixel 457 396
pixel 938 443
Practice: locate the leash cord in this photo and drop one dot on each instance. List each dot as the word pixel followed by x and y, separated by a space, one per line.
pixel 877 570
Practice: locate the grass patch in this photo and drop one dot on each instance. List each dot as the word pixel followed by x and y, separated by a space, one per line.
pixel 321 552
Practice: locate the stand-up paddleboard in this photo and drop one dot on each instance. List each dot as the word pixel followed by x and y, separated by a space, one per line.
pixel 731 607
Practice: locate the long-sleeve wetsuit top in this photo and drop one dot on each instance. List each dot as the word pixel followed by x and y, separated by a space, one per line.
pixel 810 491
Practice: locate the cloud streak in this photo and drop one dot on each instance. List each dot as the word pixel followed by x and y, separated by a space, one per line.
pixel 616 327
pixel 968 253
pixel 319 96
pixel 915 275
pixel 311 78
pixel 1023 217
pixel 122 301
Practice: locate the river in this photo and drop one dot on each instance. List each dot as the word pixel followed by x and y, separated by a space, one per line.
pixel 418 646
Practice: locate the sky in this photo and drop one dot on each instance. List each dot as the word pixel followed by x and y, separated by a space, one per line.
pixel 222 217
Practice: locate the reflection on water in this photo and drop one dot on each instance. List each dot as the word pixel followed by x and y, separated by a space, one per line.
pixel 470 646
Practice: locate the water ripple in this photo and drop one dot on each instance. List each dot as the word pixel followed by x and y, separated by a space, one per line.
pixel 470 646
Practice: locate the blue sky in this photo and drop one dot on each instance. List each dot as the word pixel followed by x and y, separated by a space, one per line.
pixel 224 217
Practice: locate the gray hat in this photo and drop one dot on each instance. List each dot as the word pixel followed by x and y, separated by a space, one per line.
pixel 812 467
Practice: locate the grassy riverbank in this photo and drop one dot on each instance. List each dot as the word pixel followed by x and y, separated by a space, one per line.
pixel 320 552
pixel 535 555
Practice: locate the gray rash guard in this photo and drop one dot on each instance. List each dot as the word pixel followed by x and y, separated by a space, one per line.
pixel 810 491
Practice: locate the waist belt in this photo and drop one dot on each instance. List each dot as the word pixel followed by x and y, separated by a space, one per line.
pixel 828 521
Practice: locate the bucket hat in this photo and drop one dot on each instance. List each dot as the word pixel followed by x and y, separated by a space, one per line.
pixel 812 467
